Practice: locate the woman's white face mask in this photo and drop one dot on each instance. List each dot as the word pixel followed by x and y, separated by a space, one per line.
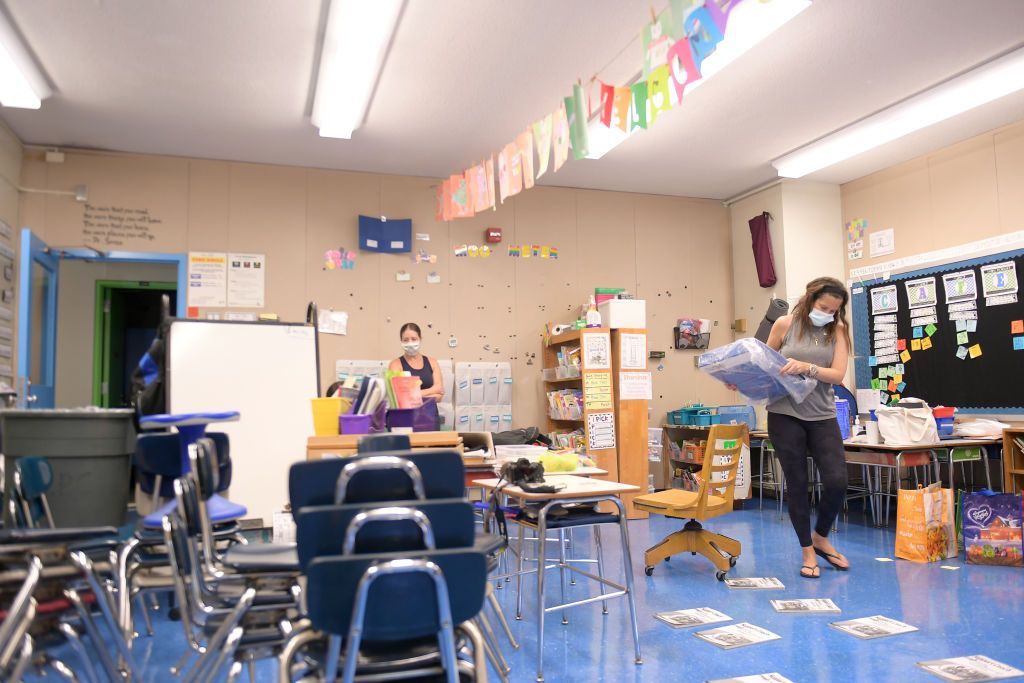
pixel 411 348
pixel 820 318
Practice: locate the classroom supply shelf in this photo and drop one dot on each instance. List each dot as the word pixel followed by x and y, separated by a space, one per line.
pixel 1013 460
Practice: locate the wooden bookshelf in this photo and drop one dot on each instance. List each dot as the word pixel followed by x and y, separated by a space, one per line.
pixel 1013 460
pixel 629 365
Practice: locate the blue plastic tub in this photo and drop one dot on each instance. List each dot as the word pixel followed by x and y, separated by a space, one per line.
pixel 843 417
pixel 945 426
pixel 738 415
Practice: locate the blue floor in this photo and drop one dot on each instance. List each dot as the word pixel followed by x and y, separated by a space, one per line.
pixel 973 610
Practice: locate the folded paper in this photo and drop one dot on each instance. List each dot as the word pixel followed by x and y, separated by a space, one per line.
pixel 542 141
pixel 560 136
pixel 524 142
pixel 385 236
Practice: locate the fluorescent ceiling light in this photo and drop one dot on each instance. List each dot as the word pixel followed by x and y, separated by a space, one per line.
pixel 21 84
pixel 749 23
pixel 988 82
pixel 357 37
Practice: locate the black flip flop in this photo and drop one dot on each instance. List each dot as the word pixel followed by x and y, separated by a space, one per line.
pixel 810 576
pixel 829 558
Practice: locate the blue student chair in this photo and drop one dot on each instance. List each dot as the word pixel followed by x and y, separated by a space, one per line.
pixel 33 477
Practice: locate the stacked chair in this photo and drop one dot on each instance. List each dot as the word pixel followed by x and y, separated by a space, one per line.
pixel 396 576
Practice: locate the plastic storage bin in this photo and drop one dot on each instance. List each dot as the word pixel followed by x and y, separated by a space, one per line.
pixel 354 424
pixel 944 420
pixel 754 368
pixel 623 313
pixel 843 417
pixel 738 415
pixel 697 416
pixel 90 451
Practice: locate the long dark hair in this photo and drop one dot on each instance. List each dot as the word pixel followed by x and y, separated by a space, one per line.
pixel 410 326
pixel 816 289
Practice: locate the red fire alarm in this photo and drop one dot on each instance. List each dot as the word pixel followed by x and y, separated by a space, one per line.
pixel 493 235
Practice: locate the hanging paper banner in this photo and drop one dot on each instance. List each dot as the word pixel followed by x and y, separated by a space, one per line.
pixel 504 167
pixel 703 33
pixel 560 135
pixel 607 103
pixel 515 169
pixel 682 69
pixel 489 170
pixel 577 112
pixel 718 9
pixel 524 141
pixel 656 37
pixel 542 140
pixel 638 118
pixel 460 197
pixel 446 200
pixel 476 177
pixel 440 199
pixel 657 92
pixel 623 102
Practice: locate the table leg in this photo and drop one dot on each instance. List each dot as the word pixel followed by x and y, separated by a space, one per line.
pixel 542 531
pixel 561 570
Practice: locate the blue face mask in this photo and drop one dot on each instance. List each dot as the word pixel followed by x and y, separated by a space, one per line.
pixel 820 318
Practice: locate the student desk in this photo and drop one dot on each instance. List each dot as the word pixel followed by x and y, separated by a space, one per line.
pixel 345 444
pixel 876 457
pixel 574 489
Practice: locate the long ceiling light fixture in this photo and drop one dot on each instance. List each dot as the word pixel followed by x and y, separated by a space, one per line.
pixel 988 82
pixel 750 22
pixel 355 43
pixel 21 83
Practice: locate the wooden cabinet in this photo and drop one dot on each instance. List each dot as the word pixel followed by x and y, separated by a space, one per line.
pixel 1013 460
pixel 630 373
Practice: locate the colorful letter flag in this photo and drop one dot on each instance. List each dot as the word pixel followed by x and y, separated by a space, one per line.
pixel 524 141
pixel 489 170
pixel 638 117
pixel 461 207
pixel 905 356
pixel 657 92
pixel 915 344
pixel 703 33
pixel 623 102
pixel 961 352
pixel 656 37
pixel 578 122
pixel 926 343
pixel 560 135
pixel 607 103
pixel 975 350
pixel 682 68
pixel 1017 327
pixel 930 330
pixel 542 141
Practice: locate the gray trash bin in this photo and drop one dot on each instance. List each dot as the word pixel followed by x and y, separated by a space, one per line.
pixel 90 452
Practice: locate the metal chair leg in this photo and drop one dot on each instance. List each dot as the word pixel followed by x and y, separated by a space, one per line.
pixel 561 571
pixel 491 647
pixel 71 635
pixel 225 653
pixel 571 554
pixel 496 606
pixel 600 565
pixel 144 609
pixel 627 566
pixel 21 664
pixel 235 671
pixel 94 633
pixel 519 577
pixel 252 669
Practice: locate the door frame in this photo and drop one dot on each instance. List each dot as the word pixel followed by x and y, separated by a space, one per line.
pixel 101 327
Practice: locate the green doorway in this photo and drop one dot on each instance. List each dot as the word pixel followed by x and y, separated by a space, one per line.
pixel 126 318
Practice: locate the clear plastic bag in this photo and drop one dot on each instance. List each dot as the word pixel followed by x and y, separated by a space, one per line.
pixel 755 369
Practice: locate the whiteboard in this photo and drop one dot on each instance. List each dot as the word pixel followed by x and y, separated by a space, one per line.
pixel 265 371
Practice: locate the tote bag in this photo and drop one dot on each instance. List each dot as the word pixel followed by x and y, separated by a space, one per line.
pixel 925 529
pixel 901 425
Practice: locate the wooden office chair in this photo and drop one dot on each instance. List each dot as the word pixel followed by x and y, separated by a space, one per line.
pixel 714 498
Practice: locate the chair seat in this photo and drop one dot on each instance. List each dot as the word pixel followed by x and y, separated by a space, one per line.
pixel 219 510
pixel 391 657
pixel 268 557
pixel 573 519
pixel 677 503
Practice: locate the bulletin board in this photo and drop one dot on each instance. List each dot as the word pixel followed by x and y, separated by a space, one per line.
pixel 952 335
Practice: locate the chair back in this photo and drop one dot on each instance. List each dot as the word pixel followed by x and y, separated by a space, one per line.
pixel 721 459
pixel 158 458
pixel 315 482
pixel 395 596
pixel 322 530
pixel 33 477
pixel 375 443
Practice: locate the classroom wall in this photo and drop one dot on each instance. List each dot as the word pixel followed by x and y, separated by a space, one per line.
pixel 963 193
pixel 10 172
pixel 751 300
pixel 674 252
pixel 812 220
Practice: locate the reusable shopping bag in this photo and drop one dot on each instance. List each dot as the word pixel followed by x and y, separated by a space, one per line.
pixel 992 528
pixel 907 425
pixel 925 524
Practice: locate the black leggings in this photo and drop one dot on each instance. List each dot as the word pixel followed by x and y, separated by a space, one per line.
pixel 795 439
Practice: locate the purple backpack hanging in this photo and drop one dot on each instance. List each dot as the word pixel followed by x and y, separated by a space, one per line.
pixel 761 239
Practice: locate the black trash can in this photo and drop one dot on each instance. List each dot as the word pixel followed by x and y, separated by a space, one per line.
pixel 90 451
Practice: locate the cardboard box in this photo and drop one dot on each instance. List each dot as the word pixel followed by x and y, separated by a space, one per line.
pixel 623 313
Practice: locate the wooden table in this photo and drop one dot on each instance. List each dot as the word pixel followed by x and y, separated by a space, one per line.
pixel 572 489
pixel 345 444
pixel 894 456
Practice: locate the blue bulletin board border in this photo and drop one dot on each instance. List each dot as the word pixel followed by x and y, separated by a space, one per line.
pixel 862 333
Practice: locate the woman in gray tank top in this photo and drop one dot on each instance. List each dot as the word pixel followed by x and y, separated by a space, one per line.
pixel 815 340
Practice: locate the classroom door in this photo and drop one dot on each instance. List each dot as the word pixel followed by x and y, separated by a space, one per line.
pixel 37 322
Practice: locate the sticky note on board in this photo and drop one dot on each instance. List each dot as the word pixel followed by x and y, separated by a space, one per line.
pixel 961 352
pixel 1018 343
pixel 926 343
pixel 961 325
pixel 875 384
pixel 883 372
pixel 898 377
pixel 930 330
pixel 892 385
pixel 899 368
pixel 1017 327
pixel 905 356
pixel 918 333
pixel 901 386
pixel 972 325
pixel 901 344
pixel 975 350
pixel 961 337
pixel 915 345
pixel 894 400
pixel 872 361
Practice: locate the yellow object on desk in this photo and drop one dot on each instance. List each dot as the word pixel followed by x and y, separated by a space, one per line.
pixel 559 462
pixel 325 415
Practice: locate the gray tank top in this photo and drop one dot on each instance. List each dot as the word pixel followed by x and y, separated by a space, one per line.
pixel 810 347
